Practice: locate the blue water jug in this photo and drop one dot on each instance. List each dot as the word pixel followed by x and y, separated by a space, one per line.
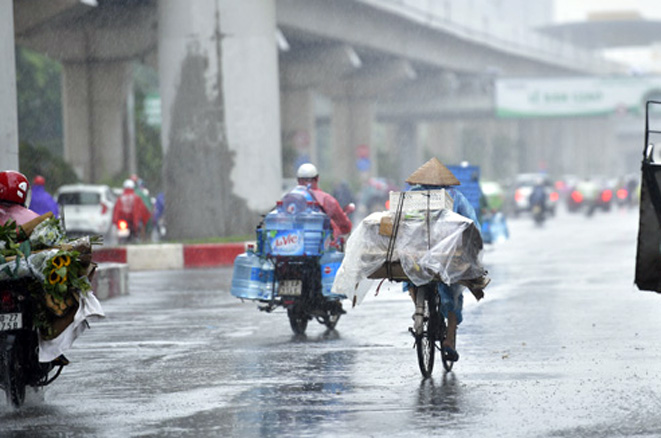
pixel 329 264
pixel 296 201
pixel 267 276
pixel 312 222
pixel 247 279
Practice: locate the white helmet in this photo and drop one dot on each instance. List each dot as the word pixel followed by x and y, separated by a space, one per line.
pixel 129 184
pixel 307 171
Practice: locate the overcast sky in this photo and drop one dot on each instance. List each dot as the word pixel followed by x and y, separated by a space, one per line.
pixel 577 10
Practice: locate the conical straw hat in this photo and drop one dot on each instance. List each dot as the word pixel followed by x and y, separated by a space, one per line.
pixel 433 173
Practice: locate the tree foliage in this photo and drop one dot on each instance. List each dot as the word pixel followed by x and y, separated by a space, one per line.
pixel 37 160
pixel 39 93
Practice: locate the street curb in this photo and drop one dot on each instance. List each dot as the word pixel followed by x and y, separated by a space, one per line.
pixel 110 280
pixel 170 255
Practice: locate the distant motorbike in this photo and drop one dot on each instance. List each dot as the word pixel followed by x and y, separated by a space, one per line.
pixel 538 214
pixel 19 350
pixel 538 206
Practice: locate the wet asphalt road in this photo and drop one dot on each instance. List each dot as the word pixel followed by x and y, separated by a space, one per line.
pixel 563 345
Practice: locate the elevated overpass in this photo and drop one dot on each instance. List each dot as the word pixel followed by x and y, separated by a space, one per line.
pixel 241 80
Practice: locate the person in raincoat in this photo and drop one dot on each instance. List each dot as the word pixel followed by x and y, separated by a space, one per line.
pixel 433 175
pixel 308 176
pixel 132 209
pixel 42 202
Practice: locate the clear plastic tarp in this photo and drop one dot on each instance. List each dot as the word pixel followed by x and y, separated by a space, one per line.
pixel 430 245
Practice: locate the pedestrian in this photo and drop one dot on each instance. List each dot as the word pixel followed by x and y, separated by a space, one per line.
pixel 42 202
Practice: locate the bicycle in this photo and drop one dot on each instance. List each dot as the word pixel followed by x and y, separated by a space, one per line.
pixel 429 329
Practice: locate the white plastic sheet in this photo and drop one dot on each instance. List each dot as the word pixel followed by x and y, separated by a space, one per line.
pixel 446 247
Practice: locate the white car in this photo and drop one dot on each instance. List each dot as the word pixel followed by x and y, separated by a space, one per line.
pixel 86 209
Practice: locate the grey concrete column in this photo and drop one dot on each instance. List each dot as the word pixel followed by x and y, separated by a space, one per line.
pixel 352 129
pixel 406 138
pixel 218 71
pixel 8 102
pixel 96 119
pixel 444 141
pixel 298 123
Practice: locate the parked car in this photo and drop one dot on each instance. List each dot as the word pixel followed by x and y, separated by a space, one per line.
pixel 86 209
pixel 519 197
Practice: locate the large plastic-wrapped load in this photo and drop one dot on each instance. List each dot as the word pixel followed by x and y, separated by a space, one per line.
pixel 416 242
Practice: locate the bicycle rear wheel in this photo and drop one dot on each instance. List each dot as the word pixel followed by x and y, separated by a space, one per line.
pixel 426 320
pixel 447 364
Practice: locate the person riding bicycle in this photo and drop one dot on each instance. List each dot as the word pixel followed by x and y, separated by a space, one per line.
pixel 433 175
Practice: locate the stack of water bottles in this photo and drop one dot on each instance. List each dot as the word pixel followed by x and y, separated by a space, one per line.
pixel 296 227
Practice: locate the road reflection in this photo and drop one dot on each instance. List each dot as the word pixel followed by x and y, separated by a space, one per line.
pixel 305 393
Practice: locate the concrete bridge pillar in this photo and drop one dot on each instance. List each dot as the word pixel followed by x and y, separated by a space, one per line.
pixel 98 122
pixel 406 141
pixel 8 103
pixel 298 123
pixel 221 118
pixel 443 141
pixel 352 123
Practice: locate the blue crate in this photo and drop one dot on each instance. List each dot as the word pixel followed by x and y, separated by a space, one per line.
pixel 469 177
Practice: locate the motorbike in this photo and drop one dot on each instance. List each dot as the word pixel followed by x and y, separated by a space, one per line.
pixel 124 233
pixel 19 350
pixel 293 264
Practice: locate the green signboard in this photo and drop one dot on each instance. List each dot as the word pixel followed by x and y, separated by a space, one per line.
pixel 579 96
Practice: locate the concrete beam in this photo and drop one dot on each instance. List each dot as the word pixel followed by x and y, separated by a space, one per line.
pixel 34 14
pixel 436 97
pixel 375 29
pixel 314 67
pixel 104 33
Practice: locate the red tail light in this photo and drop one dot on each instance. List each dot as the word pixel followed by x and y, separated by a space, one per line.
pixel 553 196
pixel 622 194
pixel 607 195
pixel 122 225
pixel 6 300
pixel 518 196
pixel 576 197
pixel 104 208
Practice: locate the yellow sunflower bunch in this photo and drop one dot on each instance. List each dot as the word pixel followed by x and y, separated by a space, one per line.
pixel 58 274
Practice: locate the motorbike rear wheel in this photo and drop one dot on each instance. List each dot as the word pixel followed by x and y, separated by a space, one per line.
pixel 14 376
pixel 298 321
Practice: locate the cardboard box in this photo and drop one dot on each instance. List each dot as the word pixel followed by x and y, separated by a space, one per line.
pixel 421 200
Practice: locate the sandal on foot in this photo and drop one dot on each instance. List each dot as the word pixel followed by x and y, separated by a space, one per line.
pixel 450 354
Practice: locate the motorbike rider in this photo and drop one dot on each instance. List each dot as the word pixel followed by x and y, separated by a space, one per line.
pixel 433 175
pixel 15 196
pixel 42 202
pixel 132 209
pixel 538 196
pixel 308 176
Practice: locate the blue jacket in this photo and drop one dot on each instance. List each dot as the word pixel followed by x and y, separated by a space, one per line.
pixel 42 202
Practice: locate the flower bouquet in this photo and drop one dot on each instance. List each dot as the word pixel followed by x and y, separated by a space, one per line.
pixel 62 269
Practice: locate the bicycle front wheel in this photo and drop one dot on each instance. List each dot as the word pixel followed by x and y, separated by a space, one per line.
pixel 426 315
